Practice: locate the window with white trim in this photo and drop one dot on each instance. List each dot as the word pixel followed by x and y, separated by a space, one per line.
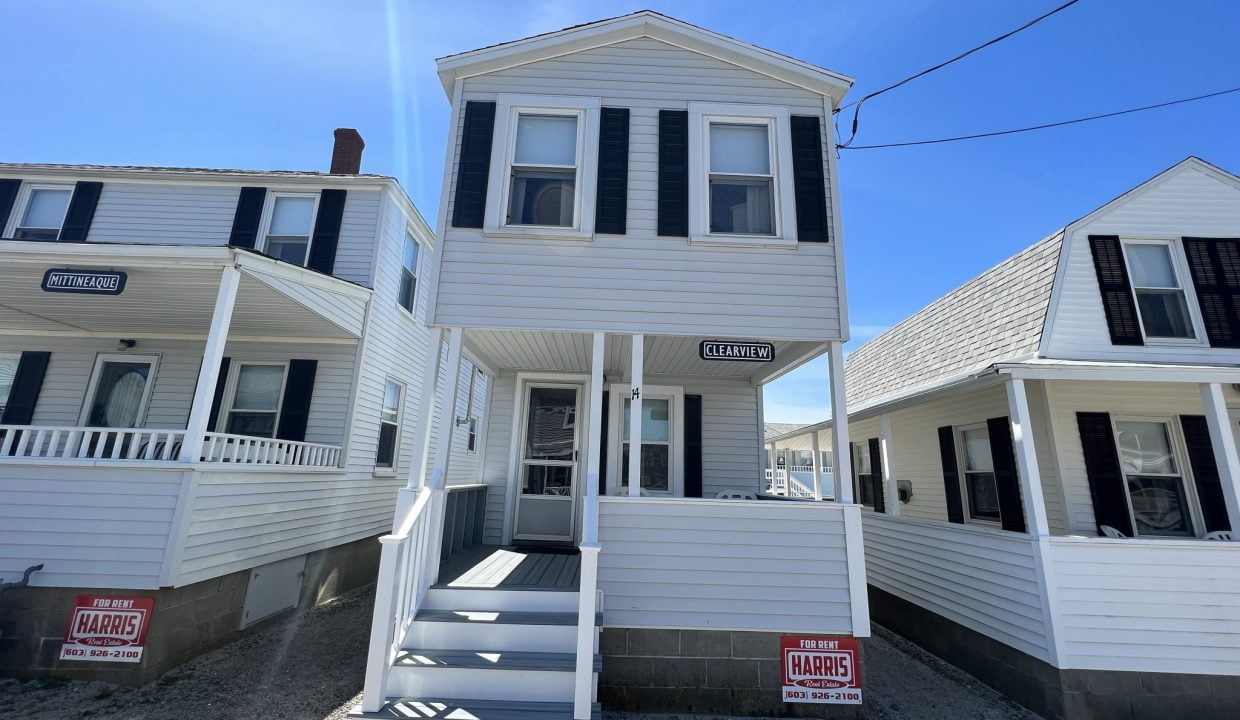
pixel 662 440
pixel 389 424
pixel 740 175
pixel 289 226
pixel 120 387
pixel 43 212
pixel 1157 271
pixel 864 467
pixel 473 397
pixel 255 394
pixel 1158 496
pixel 8 371
pixel 409 273
pixel 981 491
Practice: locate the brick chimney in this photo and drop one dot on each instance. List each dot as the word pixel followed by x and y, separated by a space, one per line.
pixel 347 153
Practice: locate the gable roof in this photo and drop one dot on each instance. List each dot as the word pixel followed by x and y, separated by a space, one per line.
pixel 773 430
pixel 644 23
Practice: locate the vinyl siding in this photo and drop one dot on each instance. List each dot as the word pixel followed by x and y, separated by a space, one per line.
pixel 726 564
pixel 639 281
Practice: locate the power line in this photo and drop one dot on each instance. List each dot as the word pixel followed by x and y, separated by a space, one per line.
pixel 927 71
pixel 1061 123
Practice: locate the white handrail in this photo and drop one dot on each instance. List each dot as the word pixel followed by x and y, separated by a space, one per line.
pixel 781 482
pixel 231 448
pixel 587 603
pixel 89 443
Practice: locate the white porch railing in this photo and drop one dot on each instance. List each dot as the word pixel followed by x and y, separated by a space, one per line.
pixel 406 571
pixel 228 448
pixel 785 484
pixel 588 603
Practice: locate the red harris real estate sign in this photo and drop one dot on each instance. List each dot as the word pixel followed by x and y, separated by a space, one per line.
pixel 106 628
pixel 820 669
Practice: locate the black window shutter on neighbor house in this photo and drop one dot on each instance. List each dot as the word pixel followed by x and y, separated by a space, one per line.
pixel 611 200
pixel 81 212
pixel 1205 472
pixel 1117 302
pixel 951 474
pixel 474 166
pixel 245 221
pixel 1215 268
pixel 1102 468
pixel 217 400
pixel 327 231
pixel 27 382
pixel 295 409
pixel 808 180
pixel 674 173
pixel 876 475
pixel 8 196
pixel 693 446
pixel 1007 479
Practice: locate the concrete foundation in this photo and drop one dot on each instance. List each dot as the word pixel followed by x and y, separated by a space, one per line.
pixel 1054 693
pixel 705 672
pixel 187 621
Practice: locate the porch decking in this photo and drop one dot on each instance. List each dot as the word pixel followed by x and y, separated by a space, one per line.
pixel 504 567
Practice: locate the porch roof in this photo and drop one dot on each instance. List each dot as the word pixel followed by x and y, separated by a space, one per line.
pixel 170 292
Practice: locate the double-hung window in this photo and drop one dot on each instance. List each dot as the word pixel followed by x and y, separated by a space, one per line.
pixel 409 274
pixel 8 371
pixel 1153 478
pixel 257 392
pixel 662 440
pixel 290 225
pixel 742 184
pixel 389 425
pixel 1155 270
pixel 980 489
pixel 476 377
pixel 544 171
pixel 865 470
pixel 43 214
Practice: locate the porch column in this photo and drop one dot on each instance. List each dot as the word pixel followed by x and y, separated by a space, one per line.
pixel 209 371
pixel 841 458
pixel 770 456
pixel 635 417
pixel 1224 444
pixel 889 469
pixel 813 446
pixel 422 433
pixel 447 414
pixel 1026 459
pixel 594 448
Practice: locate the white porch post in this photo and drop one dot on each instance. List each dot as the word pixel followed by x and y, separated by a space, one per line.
pixel 583 686
pixel 594 450
pixel 770 456
pixel 209 371
pixel 635 417
pixel 430 388
pixel 1026 459
pixel 447 415
pixel 1224 444
pixel 885 441
pixel 841 458
pixel 813 446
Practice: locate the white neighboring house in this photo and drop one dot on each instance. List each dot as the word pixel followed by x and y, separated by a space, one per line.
pixel 1048 453
pixel 617 197
pixel 219 415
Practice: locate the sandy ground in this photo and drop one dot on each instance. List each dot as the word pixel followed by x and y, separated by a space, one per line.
pixel 310 668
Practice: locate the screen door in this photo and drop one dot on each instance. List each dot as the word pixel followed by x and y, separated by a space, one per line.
pixel 546 497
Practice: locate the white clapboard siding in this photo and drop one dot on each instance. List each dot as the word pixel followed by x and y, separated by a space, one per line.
pixel 1189 202
pixel 355 249
pixel 1147 605
pixel 345 312
pixel 720 564
pixel 980 578
pixel 89 526
pixel 639 281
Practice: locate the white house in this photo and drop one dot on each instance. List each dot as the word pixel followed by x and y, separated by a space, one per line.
pixel 1048 453
pixel 617 198
pixel 210 381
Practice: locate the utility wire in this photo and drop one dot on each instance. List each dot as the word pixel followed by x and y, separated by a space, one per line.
pixel 1061 123
pixel 944 64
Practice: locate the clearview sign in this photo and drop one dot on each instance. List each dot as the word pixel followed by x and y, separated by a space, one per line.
pixel 87 282
pixel 736 351
pixel 820 669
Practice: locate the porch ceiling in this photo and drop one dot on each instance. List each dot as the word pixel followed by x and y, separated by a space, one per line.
pixel 548 351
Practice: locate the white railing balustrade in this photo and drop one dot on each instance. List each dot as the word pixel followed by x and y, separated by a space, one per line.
pixel 796 481
pixel 89 443
pixel 587 603
pixel 228 448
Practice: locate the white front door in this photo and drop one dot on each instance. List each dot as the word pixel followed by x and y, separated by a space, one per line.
pixel 547 467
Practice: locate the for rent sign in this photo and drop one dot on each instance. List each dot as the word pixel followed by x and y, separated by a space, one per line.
pixel 820 669
pixel 107 628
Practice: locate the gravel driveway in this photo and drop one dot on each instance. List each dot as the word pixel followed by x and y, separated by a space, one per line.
pixel 310 667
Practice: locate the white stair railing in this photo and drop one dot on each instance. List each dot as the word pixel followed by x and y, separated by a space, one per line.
pixel 587 604
pixel 405 575
pixel 228 448
pixel 89 443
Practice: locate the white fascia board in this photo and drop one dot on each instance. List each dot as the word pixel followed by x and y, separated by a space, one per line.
pixel 1116 372
pixel 203 176
pixel 107 254
pixel 255 265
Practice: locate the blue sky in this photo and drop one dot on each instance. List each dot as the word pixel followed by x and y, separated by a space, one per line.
pixel 245 84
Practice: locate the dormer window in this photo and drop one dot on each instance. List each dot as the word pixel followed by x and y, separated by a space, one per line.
pixel 1161 302
pixel 544 171
pixel 290 224
pixel 44 213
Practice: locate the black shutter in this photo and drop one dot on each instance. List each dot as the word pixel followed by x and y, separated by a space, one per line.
pixel 385 453
pixel 245 221
pixel 1007 479
pixel 951 474
pixel 81 211
pixel 1205 472
pixel 27 382
pixel 8 196
pixel 876 475
pixel 295 409
pixel 693 446
pixel 674 173
pixel 217 400
pixel 602 451
pixel 1215 267
pixel 808 180
pixel 1106 478
pixel 1117 302
pixel 474 166
pixel 852 458
pixel 611 200
pixel 326 231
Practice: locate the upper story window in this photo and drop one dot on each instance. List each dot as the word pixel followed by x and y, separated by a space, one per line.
pixel 43 214
pixel 740 175
pixel 257 392
pixel 409 274
pixel 544 171
pixel 290 225
pixel 8 371
pixel 980 489
pixel 1164 309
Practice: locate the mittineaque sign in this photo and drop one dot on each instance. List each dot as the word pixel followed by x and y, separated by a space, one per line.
pixel 107 628
pixel 820 669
